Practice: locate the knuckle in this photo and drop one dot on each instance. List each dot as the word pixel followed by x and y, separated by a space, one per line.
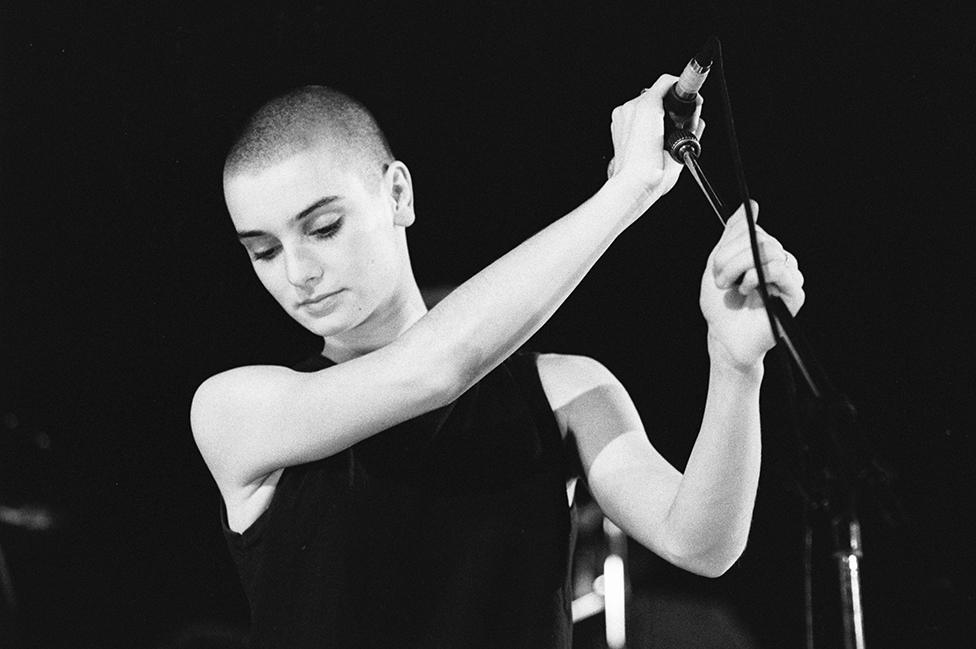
pixel 716 269
pixel 749 281
pixel 799 298
pixel 720 275
pixel 718 260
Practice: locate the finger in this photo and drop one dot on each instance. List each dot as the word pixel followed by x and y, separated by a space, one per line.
pixel 610 168
pixel 791 260
pixel 672 168
pixel 649 105
pixel 781 279
pixel 648 109
pixel 739 243
pixel 740 215
pixel 659 88
pixel 737 235
pixel 696 119
pixel 615 116
pixel 700 128
pixel 621 120
pixel 736 225
pixel 728 273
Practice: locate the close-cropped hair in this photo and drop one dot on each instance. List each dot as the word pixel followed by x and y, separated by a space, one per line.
pixel 304 118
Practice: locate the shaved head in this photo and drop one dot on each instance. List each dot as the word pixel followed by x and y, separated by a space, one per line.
pixel 306 118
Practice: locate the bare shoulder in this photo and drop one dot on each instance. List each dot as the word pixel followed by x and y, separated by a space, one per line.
pixel 228 404
pixel 232 383
pixel 566 376
pixel 588 401
pixel 252 421
pixel 223 394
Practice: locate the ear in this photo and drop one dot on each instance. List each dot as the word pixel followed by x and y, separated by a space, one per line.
pixel 401 193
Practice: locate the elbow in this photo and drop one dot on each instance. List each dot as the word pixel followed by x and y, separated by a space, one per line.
pixel 712 567
pixel 712 562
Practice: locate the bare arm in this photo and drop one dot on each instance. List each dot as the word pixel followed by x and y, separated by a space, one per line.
pixel 700 519
pixel 251 421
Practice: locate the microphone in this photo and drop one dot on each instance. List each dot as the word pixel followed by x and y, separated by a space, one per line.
pixel 679 103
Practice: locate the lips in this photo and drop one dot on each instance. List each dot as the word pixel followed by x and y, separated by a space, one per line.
pixel 319 302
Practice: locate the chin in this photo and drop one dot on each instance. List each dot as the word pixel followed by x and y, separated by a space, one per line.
pixel 325 326
pixel 335 323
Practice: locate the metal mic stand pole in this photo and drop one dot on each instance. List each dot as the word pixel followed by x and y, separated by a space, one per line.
pixel 839 469
pixel 8 605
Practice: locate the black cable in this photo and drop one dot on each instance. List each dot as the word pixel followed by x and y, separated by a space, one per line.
pixel 772 306
pixel 743 188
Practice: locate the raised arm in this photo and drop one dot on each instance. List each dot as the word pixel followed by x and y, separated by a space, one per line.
pixel 698 520
pixel 251 421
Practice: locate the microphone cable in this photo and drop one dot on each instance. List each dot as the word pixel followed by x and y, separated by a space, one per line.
pixel 783 355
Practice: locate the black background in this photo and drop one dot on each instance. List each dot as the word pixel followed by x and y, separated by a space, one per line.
pixel 122 286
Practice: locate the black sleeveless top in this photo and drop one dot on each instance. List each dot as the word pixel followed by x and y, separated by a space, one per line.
pixel 449 530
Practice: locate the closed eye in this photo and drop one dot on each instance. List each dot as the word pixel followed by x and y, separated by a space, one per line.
pixel 325 232
pixel 265 255
pixel 328 231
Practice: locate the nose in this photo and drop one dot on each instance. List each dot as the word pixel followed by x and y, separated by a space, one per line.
pixel 302 266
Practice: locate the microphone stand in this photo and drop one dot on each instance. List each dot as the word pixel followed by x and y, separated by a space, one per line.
pixel 834 488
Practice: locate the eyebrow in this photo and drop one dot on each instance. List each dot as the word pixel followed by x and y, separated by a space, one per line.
pixel 305 213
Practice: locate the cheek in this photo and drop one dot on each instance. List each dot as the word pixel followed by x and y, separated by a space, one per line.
pixel 382 266
pixel 369 260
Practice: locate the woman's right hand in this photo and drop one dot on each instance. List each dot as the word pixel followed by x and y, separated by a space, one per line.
pixel 637 128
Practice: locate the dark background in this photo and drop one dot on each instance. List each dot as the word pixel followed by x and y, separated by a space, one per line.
pixel 122 286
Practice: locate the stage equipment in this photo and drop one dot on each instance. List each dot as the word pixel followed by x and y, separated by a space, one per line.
pixel 601 570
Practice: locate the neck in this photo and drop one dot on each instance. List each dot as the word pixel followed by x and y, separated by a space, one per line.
pixel 387 324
